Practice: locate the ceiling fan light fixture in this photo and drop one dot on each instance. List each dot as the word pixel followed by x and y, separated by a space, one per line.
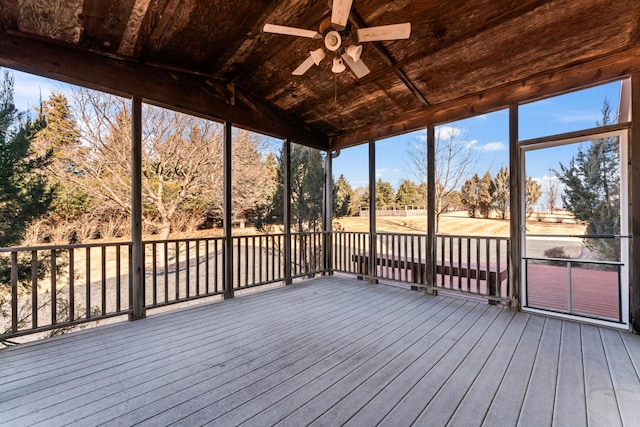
pixel 333 41
pixel 317 55
pixel 338 65
pixel 354 51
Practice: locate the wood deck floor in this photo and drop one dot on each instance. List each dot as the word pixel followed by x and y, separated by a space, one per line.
pixel 328 351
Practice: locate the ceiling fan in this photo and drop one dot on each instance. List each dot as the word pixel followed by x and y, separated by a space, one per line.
pixel 339 39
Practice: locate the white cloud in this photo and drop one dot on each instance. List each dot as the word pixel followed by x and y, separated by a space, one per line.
pixel 492 146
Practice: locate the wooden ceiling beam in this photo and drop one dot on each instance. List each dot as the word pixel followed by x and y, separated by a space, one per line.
pixel 184 92
pixel 130 37
pixel 534 87
pixel 357 22
pixel 422 54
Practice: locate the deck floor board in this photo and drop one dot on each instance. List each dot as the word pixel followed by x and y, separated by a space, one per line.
pixel 328 351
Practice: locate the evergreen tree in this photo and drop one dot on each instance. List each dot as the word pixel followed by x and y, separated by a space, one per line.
pixel 24 192
pixel 409 194
pixel 469 196
pixel 342 197
pixel 592 189
pixel 501 194
pixel 385 196
pixel 486 188
pixel 307 183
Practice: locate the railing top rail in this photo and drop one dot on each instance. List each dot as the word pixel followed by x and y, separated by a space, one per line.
pixel 460 236
pixel 575 261
pixel 62 247
pixel 190 239
pixel 582 236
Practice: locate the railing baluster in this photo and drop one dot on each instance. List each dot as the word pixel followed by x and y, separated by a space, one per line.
pixel 215 267
pixel 468 272
pixel 177 262
pixel 459 266
pixel 54 287
pixel 34 289
pixel 14 291
pixel 72 299
pixel 498 275
pixel 154 272
pixel 442 261
pixel 118 280
pixel 87 283
pixel 478 288
pixel 166 270
pixel 206 265
pixel 103 281
pixel 197 267
pixel 187 268
pixel 490 286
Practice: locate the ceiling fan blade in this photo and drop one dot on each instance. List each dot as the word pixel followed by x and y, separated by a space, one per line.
pixel 340 13
pixel 291 31
pixel 383 32
pixel 304 67
pixel 358 67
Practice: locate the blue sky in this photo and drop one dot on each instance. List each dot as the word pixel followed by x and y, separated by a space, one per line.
pixel 486 135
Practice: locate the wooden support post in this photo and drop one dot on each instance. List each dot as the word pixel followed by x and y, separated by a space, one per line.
pixel 372 213
pixel 327 213
pixel 431 213
pixel 634 200
pixel 137 248
pixel 286 215
pixel 516 211
pixel 226 222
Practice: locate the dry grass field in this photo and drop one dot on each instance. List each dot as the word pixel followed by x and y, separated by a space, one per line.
pixel 457 223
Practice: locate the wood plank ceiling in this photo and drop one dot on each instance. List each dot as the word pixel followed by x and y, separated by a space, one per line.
pixel 211 58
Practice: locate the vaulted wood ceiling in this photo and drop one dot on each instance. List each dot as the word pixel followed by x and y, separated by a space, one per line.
pixel 211 58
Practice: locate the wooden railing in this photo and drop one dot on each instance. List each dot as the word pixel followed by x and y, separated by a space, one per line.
pixel 472 265
pixel 51 289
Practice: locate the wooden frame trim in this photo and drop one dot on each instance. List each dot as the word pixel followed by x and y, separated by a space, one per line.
pixel 227 207
pixel 194 94
pixel 526 89
pixel 137 247
pixel 516 223
pixel 634 208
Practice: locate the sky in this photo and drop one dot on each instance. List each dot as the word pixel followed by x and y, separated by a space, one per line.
pixel 486 136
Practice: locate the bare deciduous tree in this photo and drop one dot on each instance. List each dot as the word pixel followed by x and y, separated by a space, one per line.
pixel 182 162
pixel 454 164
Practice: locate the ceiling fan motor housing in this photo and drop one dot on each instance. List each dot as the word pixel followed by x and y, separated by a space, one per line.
pixel 333 41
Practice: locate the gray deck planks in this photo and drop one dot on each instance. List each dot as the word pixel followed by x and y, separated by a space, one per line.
pixel 377 382
pixel 111 372
pixel 412 404
pixel 161 388
pixel 475 403
pixel 378 407
pixel 570 405
pixel 624 376
pixel 298 390
pixel 602 406
pixel 323 392
pixel 330 351
pixel 537 407
pixel 442 406
pixel 241 403
pixel 505 408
